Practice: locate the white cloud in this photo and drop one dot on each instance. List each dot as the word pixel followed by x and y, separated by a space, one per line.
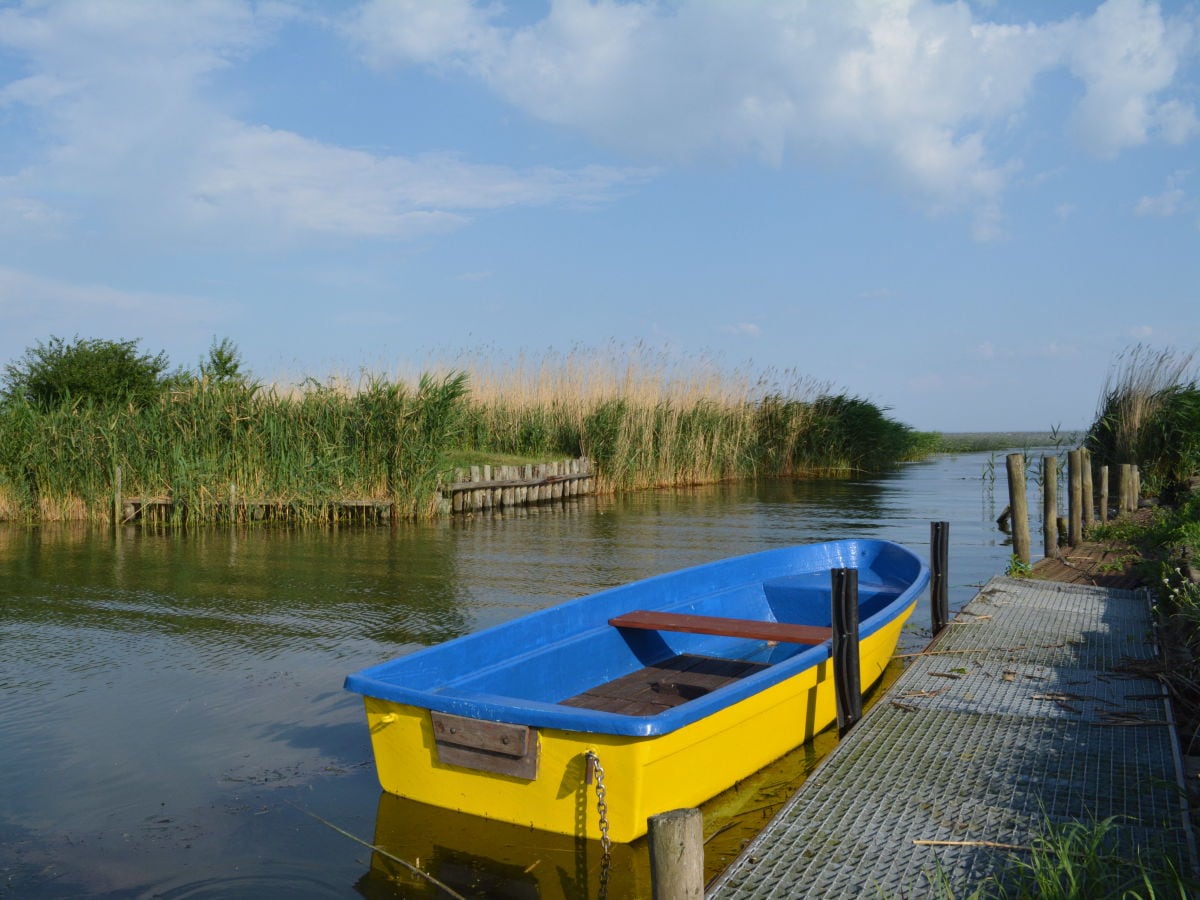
pixel 133 132
pixel 924 89
pixel 1170 202
pixel 1141 332
pixel 1054 350
pixel 129 123
pixel 301 184
pixel 1127 55
pixel 27 297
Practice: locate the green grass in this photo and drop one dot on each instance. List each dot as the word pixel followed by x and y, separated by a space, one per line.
pixel 387 441
pixel 1149 415
pixel 1080 860
pixel 306 449
pixel 977 442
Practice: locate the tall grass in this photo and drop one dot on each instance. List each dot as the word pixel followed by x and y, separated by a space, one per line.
pixel 644 420
pixel 647 420
pixel 1149 414
pixel 385 442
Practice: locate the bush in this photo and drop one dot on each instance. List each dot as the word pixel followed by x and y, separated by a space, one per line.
pixel 1149 414
pixel 58 372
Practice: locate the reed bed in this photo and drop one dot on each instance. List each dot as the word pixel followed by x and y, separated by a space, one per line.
pixel 649 420
pixel 220 448
pixel 1149 415
pixel 204 444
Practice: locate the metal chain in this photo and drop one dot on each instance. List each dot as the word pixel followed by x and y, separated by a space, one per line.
pixel 596 771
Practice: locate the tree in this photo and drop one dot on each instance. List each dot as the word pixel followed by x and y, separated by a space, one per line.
pixel 224 362
pixel 104 371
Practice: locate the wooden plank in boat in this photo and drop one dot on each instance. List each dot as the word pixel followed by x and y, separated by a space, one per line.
pixel 753 629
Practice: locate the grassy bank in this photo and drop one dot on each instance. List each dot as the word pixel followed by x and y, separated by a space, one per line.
pixel 646 423
pixel 308 447
pixel 1149 415
pixel 311 448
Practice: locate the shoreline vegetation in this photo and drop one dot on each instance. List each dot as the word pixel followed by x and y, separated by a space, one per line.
pixel 84 421
pixel 201 438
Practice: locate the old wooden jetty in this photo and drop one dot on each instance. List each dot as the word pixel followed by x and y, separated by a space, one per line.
pixel 483 488
pixel 1037 704
pixel 473 489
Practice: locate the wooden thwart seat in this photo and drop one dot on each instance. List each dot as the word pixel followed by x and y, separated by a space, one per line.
pixel 741 628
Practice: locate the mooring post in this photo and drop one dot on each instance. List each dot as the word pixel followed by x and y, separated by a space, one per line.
pixel 1089 494
pixel 1015 464
pixel 1103 494
pixel 677 855
pixel 1075 510
pixel 939 590
pixel 1050 506
pixel 847 679
pixel 117 507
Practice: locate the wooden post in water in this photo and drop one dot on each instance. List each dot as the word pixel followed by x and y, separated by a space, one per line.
pixel 1050 506
pixel 1089 496
pixel 677 855
pixel 1075 509
pixel 1015 464
pixel 1103 494
pixel 847 678
pixel 117 507
pixel 939 593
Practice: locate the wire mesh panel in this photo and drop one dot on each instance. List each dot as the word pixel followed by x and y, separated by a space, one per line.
pixel 1029 709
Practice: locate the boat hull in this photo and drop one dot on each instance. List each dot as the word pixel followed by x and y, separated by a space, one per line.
pixel 643 774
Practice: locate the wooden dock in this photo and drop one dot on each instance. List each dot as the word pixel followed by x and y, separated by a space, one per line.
pixel 486 488
pixel 475 489
pixel 1035 706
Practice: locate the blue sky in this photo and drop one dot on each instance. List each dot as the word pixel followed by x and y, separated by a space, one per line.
pixel 961 211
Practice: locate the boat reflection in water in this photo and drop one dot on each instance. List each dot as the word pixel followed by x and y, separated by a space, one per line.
pixel 477 857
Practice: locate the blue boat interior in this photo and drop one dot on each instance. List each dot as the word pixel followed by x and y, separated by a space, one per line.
pixel 542 668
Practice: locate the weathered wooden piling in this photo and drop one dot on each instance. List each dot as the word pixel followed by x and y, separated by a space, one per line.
pixel 1075 503
pixel 118 506
pixel 485 488
pixel 677 855
pixel 1089 496
pixel 1050 506
pixel 1124 487
pixel 1015 464
pixel 1103 494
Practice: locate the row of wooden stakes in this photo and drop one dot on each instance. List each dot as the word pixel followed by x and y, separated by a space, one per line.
pixel 1085 504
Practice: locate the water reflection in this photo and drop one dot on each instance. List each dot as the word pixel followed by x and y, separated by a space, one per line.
pixel 166 696
pixel 478 858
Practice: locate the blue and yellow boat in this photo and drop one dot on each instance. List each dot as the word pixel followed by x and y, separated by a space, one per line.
pixel 666 691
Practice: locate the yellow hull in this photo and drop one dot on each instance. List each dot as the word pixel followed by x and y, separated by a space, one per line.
pixel 643 776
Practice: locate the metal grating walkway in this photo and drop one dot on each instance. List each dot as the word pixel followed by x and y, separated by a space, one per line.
pixel 1019 713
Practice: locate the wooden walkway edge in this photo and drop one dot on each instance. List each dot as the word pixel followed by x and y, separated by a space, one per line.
pixel 1030 708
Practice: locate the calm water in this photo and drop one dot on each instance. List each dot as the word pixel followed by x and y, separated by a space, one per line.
pixel 172 717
